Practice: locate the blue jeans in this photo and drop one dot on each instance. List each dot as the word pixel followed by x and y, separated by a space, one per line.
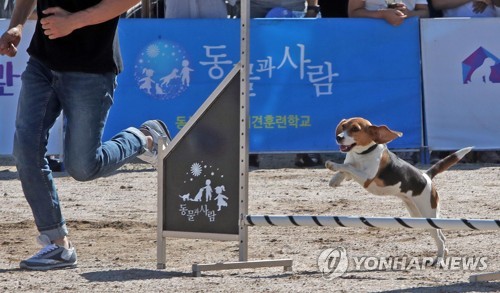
pixel 85 99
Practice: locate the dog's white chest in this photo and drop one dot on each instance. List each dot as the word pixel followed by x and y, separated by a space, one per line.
pixel 367 164
pixel 384 190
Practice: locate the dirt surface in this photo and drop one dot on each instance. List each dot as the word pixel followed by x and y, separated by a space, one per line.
pixel 112 223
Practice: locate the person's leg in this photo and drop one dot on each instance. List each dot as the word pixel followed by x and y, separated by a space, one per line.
pixel 258 9
pixel 177 9
pixel 211 9
pixel 38 108
pixel 37 111
pixel 308 160
pixel 337 8
pixel 86 99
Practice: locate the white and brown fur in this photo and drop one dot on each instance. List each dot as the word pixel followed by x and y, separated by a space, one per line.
pixel 370 163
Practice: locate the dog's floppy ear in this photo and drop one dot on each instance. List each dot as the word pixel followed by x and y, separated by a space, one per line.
pixel 382 134
pixel 340 123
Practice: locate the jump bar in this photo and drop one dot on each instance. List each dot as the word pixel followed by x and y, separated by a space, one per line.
pixel 373 222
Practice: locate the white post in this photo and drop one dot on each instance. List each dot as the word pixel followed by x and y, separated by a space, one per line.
pixel 244 112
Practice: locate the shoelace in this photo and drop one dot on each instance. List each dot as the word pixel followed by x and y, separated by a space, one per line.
pixel 45 250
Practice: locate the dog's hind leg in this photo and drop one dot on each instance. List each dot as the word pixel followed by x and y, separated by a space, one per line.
pixel 436 234
pixel 426 211
pixel 412 208
pixel 440 240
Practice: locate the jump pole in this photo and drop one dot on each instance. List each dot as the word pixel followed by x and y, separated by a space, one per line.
pixel 371 222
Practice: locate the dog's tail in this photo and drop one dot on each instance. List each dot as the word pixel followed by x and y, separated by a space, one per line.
pixel 445 163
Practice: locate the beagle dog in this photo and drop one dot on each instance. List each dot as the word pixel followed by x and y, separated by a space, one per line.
pixel 370 163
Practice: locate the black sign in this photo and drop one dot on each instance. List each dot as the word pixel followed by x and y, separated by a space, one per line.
pixel 201 172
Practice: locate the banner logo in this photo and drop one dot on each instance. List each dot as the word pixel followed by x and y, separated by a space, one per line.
pixel 481 67
pixel 163 70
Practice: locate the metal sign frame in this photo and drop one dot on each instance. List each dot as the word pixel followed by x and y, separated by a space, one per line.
pixel 242 68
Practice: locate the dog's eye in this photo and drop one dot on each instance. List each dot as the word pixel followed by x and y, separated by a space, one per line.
pixel 355 129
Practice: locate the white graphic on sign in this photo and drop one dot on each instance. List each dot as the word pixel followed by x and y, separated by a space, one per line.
pixel 483 72
pixel 167 78
pixel 186 73
pixel 146 83
pixel 198 198
pixel 221 198
pixel 162 70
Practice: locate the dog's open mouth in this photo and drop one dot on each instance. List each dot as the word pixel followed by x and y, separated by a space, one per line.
pixel 346 148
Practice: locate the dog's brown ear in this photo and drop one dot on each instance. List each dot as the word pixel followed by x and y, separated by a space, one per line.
pixel 340 123
pixel 382 134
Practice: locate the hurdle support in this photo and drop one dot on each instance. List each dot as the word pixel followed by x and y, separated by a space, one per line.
pixel 380 222
pixel 243 262
pixel 285 263
pixel 485 277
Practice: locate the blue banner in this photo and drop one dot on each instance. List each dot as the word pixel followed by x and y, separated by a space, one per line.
pixel 306 75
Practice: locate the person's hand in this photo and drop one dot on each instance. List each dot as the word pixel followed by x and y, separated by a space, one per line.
pixel 478 6
pixel 394 16
pixel 57 23
pixel 10 40
pixel 401 7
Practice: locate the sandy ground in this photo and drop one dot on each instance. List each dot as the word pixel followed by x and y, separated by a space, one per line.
pixel 112 223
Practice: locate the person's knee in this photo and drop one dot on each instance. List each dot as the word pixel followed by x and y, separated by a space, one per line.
pixel 79 171
pixel 25 151
pixel 79 175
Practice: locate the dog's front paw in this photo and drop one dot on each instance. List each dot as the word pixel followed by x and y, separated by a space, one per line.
pixel 336 179
pixel 331 165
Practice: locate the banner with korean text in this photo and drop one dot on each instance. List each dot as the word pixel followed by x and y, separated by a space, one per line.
pixel 306 75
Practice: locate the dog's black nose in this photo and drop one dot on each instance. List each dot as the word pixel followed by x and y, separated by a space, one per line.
pixel 339 138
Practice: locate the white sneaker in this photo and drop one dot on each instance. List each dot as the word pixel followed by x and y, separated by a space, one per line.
pixel 157 129
pixel 51 256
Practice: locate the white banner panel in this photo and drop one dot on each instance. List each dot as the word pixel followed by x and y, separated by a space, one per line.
pixel 461 77
pixel 10 84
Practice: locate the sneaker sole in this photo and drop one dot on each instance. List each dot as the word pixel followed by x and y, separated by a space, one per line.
pixel 161 127
pixel 164 128
pixel 48 267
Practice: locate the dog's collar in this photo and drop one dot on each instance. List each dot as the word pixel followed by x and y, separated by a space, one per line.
pixel 369 150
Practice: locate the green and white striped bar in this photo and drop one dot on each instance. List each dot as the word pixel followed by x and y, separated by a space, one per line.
pixel 372 222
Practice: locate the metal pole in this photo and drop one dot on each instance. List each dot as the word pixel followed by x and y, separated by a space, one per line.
pixel 146 8
pixel 244 112
pixel 372 222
